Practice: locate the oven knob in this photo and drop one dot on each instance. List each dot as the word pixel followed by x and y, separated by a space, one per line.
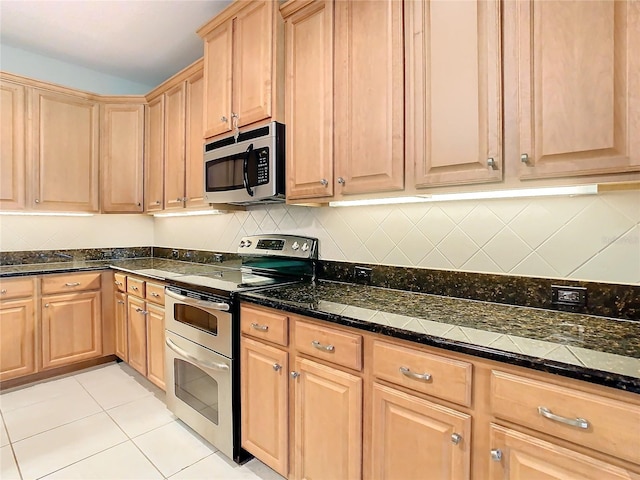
pixel 295 246
pixel 305 246
pixel 242 243
pixel 247 243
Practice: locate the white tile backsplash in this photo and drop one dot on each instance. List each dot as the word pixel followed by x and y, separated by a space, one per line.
pixel 585 237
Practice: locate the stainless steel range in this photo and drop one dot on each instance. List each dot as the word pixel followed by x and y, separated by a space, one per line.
pixel 203 333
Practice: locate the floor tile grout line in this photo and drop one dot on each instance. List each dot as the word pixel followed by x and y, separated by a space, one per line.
pixel 10 445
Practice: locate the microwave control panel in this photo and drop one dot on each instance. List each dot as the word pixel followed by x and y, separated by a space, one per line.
pixel 262 160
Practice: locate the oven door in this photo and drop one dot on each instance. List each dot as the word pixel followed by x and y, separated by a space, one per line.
pixel 199 390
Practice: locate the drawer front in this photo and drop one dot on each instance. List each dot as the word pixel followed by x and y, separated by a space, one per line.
pixel 16 288
pixel 264 324
pixel 155 293
pixel 423 372
pixel 329 344
pixel 135 287
pixel 607 425
pixel 71 282
pixel 121 281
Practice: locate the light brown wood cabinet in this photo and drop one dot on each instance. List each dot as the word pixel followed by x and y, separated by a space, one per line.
pixel 242 66
pixel 122 156
pixel 454 96
pixel 12 146
pixel 155 344
pixel 63 151
pixel 174 153
pixel 71 318
pixel 137 333
pixel 122 334
pixel 578 116
pixel 194 146
pixel 154 155
pixel 17 324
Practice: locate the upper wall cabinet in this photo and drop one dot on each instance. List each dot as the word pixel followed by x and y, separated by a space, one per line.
pixel 12 176
pixel 174 138
pixel 242 66
pixel 194 146
pixel 121 156
pixel 63 152
pixel 154 156
pixel 453 107
pixel 309 98
pixel 579 87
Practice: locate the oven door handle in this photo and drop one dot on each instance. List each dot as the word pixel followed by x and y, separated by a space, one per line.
pixel 213 366
pixel 245 170
pixel 200 303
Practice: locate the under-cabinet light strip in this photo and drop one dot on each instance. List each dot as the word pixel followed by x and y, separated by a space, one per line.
pixel 48 214
pixel 190 213
pixel 449 197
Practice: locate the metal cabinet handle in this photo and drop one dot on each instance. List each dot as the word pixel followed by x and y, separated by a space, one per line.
pixel 262 328
pixel 158 202
pixel 491 163
pixel 179 199
pixel 74 284
pixel 417 376
pixel 277 366
pixel 133 287
pixel 456 438
pixel 37 201
pixel 118 283
pixel 154 294
pixel 341 181
pixel 201 303
pixel 3 291
pixel 319 346
pixel 139 310
pixel 139 204
pixel 524 158
pixel 324 182
pixel 197 361
pixel 574 422
pixel 294 374
pixel 46 305
pixel 223 118
pixel 496 454
pixel 121 302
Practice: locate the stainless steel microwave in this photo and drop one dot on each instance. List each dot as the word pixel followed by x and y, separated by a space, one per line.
pixel 246 170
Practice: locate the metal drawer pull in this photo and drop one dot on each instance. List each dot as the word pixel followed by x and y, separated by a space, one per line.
pixel 74 284
pixel 3 291
pixel 118 283
pixel 262 328
pixel 294 374
pixel 139 310
pixel 496 455
pixel 319 346
pixel 200 303
pixel 456 438
pixel 154 294
pixel 574 422
pixel 121 302
pixel 277 366
pixel 202 363
pixel 418 376
pixel 133 287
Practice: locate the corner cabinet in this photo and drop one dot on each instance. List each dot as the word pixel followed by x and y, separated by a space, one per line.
pixel 578 88
pixel 12 146
pixel 122 157
pixel 63 151
pixel 242 66
pixel 154 156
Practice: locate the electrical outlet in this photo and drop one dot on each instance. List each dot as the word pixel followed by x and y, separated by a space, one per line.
pixel 217 257
pixel 362 275
pixel 570 296
pixel 175 253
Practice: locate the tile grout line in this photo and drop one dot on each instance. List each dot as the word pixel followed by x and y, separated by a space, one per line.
pixel 10 445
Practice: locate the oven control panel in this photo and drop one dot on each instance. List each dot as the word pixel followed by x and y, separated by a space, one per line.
pixel 281 245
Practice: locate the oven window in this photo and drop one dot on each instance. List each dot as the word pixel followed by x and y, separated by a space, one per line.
pixel 196 317
pixel 197 389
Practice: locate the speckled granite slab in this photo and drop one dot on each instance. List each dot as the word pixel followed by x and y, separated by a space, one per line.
pixel 76 255
pixel 601 350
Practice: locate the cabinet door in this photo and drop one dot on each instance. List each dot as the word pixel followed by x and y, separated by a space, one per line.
pixel 454 91
pixel 12 119
pixel 579 84
pixel 252 63
pixel 122 340
pixel 218 47
pixel 122 157
pixel 328 422
pixel 154 156
pixel 17 342
pixel 155 345
pixel 137 333
pixel 516 456
pixel 369 97
pixel 71 328
pixel 174 135
pixel 64 152
pixel 264 399
pixel 194 166
pixel 309 101
pixel 405 427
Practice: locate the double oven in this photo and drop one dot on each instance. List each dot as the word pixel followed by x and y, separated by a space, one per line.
pixel 202 353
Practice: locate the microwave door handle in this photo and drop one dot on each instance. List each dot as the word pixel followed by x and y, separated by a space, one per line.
pixel 245 170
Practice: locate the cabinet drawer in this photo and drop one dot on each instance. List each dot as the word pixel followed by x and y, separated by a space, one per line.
pixel 16 288
pixel 121 282
pixel 70 282
pixel 423 372
pixel 329 344
pixel 267 325
pixel 155 293
pixel 135 286
pixel 607 425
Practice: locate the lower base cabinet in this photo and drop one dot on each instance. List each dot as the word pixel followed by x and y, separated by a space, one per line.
pixel 155 345
pixel 18 341
pixel 122 335
pixel 518 456
pixel 137 334
pixel 411 436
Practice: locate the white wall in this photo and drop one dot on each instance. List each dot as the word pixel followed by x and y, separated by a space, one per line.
pixel 30 64
pixel 587 238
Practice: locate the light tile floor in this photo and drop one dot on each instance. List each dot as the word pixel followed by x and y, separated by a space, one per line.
pixel 108 422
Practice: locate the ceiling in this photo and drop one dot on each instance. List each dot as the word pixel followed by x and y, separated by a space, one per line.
pixel 144 41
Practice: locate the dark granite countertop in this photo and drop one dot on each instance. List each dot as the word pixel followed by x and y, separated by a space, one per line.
pixel 597 349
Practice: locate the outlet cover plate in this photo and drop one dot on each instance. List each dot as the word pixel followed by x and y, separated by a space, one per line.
pixel 362 275
pixel 572 296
